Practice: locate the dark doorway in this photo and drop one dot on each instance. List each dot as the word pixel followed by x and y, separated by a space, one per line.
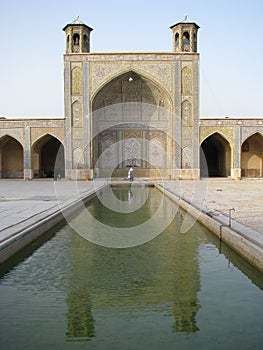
pixel 48 158
pixel 215 157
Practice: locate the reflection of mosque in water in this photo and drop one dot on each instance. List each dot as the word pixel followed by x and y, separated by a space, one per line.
pixel 81 323
pixel 161 275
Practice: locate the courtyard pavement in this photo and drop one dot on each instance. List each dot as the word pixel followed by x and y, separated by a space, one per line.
pixel 219 196
pixel 22 203
pixel 23 200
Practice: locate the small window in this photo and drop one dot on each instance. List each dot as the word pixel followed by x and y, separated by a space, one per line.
pixel 186 42
pixel 186 38
pixel 85 43
pixel 68 42
pixel 177 39
pixel 76 39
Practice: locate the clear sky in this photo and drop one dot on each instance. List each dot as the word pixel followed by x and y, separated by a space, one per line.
pixel 32 46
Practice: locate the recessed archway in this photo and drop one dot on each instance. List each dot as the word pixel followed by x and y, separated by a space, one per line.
pixel 12 158
pixel 48 158
pixel 252 156
pixel 215 157
pixel 127 110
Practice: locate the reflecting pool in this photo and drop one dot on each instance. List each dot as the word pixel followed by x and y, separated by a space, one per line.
pixel 177 291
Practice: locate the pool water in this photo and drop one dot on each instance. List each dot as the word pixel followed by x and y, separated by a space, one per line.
pixel 177 291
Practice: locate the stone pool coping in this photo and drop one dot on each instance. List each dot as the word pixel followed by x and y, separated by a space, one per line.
pixel 246 241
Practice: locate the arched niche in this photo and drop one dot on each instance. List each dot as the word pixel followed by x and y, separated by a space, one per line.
pixel 76 40
pixel 252 156
pixel 186 41
pixel 127 107
pixel 77 158
pixel 187 115
pixel 215 157
pixel 48 159
pixel 76 87
pixel 85 43
pixel 176 38
pixel 157 154
pixel 131 87
pixel 76 114
pixel 12 158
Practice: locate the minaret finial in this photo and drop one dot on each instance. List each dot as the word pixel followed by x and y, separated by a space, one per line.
pixel 185 17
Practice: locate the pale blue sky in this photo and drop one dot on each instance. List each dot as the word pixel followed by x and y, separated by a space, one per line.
pixel 33 43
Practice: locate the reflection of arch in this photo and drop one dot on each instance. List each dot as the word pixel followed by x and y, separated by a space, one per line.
pixel 215 156
pixel 12 158
pixel 252 156
pixel 48 157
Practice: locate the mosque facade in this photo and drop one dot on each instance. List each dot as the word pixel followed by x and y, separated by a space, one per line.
pixel 131 109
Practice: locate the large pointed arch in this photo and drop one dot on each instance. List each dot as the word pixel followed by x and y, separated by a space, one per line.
pixel 12 158
pixel 252 156
pixel 127 104
pixel 130 72
pixel 48 159
pixel 215 156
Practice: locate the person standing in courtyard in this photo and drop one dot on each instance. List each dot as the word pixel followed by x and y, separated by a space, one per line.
pixel 131 174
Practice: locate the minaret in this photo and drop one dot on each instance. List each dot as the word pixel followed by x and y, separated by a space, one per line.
pixel 185 36
pixel 76 97
pixel 187 100
pixel 77 37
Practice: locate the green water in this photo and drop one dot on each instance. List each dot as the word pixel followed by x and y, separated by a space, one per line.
pixel 177 291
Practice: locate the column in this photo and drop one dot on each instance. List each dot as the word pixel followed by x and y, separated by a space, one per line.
pixel 145 149
pixel 81 40
pixel 177 121
pixel 196 148
pixel 28 173
pixel 87 116
pixel 121 149
pixel 236 170
pixel 68 143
